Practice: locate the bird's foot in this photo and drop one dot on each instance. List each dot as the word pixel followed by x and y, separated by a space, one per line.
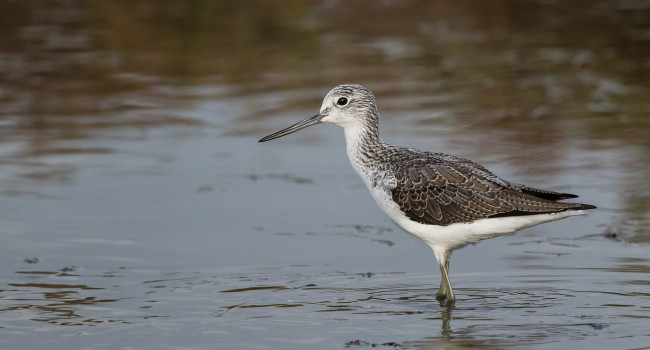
pixel 445 300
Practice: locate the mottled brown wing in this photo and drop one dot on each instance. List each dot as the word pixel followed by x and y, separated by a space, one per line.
pixel 443 190
pixel 537 192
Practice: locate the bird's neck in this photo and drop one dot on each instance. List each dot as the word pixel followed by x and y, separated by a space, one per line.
pixel 363 144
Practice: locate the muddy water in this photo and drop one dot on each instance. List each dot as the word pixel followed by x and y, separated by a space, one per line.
pixel 137 209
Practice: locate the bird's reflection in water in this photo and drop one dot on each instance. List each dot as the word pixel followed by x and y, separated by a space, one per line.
pixel 445 316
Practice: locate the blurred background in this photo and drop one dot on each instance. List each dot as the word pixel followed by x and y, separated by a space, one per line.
pixel 527 80
pixel 128 129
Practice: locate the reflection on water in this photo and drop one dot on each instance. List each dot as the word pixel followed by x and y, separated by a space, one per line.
pixel 404 302
pixel 55 303
pixel 256 299
pixel 128 139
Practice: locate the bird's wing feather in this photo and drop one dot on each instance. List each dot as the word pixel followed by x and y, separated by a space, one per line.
pixel 438 189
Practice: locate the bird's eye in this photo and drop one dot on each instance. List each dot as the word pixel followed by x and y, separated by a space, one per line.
pixel 342 101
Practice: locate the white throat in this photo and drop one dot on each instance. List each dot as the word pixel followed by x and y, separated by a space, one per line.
pixel 356 139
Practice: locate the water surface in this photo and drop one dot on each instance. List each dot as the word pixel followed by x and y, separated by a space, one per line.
pixel 137 209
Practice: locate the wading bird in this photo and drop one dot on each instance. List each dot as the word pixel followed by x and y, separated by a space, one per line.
pixel 442 199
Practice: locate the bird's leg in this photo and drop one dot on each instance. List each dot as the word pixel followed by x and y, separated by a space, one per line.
pixel 445 292
pixel 442 291
pixel 445 276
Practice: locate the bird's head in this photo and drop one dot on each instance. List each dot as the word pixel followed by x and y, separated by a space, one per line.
pixel 348 106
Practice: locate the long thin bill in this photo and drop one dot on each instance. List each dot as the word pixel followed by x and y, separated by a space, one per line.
pixel 313 120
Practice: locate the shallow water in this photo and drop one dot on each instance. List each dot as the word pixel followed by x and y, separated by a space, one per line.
pixel 137 209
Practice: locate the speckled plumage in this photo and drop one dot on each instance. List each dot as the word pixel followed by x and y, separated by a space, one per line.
pixel 445 200
pixel 440 189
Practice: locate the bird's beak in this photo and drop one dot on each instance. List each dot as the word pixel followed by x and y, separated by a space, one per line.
pixel 313 120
